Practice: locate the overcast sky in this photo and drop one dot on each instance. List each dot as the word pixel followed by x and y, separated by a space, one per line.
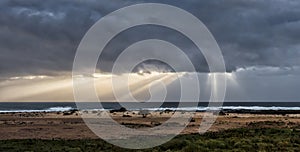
pixel 259 39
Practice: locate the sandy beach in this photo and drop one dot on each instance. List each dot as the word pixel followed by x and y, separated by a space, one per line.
pixel 69 125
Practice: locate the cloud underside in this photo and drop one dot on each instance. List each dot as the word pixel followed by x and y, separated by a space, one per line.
pixel 41 37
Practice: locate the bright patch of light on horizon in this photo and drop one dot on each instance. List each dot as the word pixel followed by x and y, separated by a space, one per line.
pixel 227 74
pixel 97 75
pixel 30 77
pixel 141 72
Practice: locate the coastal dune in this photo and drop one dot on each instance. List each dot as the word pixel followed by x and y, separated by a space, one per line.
pixel 69 124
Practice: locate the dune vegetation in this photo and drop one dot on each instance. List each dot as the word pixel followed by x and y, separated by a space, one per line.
pixel 242 139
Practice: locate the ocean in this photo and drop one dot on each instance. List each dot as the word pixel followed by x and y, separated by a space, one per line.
pixel 202 106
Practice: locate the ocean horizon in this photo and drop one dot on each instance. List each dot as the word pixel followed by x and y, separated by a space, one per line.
pixel 6 107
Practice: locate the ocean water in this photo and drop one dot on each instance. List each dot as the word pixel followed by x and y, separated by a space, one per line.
pixel 202 106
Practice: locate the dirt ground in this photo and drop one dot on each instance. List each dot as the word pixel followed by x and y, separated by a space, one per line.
pixel 71 126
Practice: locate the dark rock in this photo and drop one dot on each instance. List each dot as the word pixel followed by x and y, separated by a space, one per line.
pixel 126 115
pixel 122 109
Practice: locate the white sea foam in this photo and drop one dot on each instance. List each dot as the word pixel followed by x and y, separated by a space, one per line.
pixel 225 108
pixel 62 109
pixel 52 109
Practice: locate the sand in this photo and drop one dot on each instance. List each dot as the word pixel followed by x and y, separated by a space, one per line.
pixel 60 125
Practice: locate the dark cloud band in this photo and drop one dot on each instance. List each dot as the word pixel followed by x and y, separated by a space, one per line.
pixel 38 37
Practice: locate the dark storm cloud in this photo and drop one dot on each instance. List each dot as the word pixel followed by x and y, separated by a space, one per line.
pixel 38 37
pixel 41 36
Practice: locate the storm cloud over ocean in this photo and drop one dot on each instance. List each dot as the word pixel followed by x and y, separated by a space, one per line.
pixel 259 41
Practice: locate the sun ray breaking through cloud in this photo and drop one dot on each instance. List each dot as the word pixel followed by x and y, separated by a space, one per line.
pixel 60 88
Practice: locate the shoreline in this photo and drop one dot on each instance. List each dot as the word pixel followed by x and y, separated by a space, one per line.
pixel 268 110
